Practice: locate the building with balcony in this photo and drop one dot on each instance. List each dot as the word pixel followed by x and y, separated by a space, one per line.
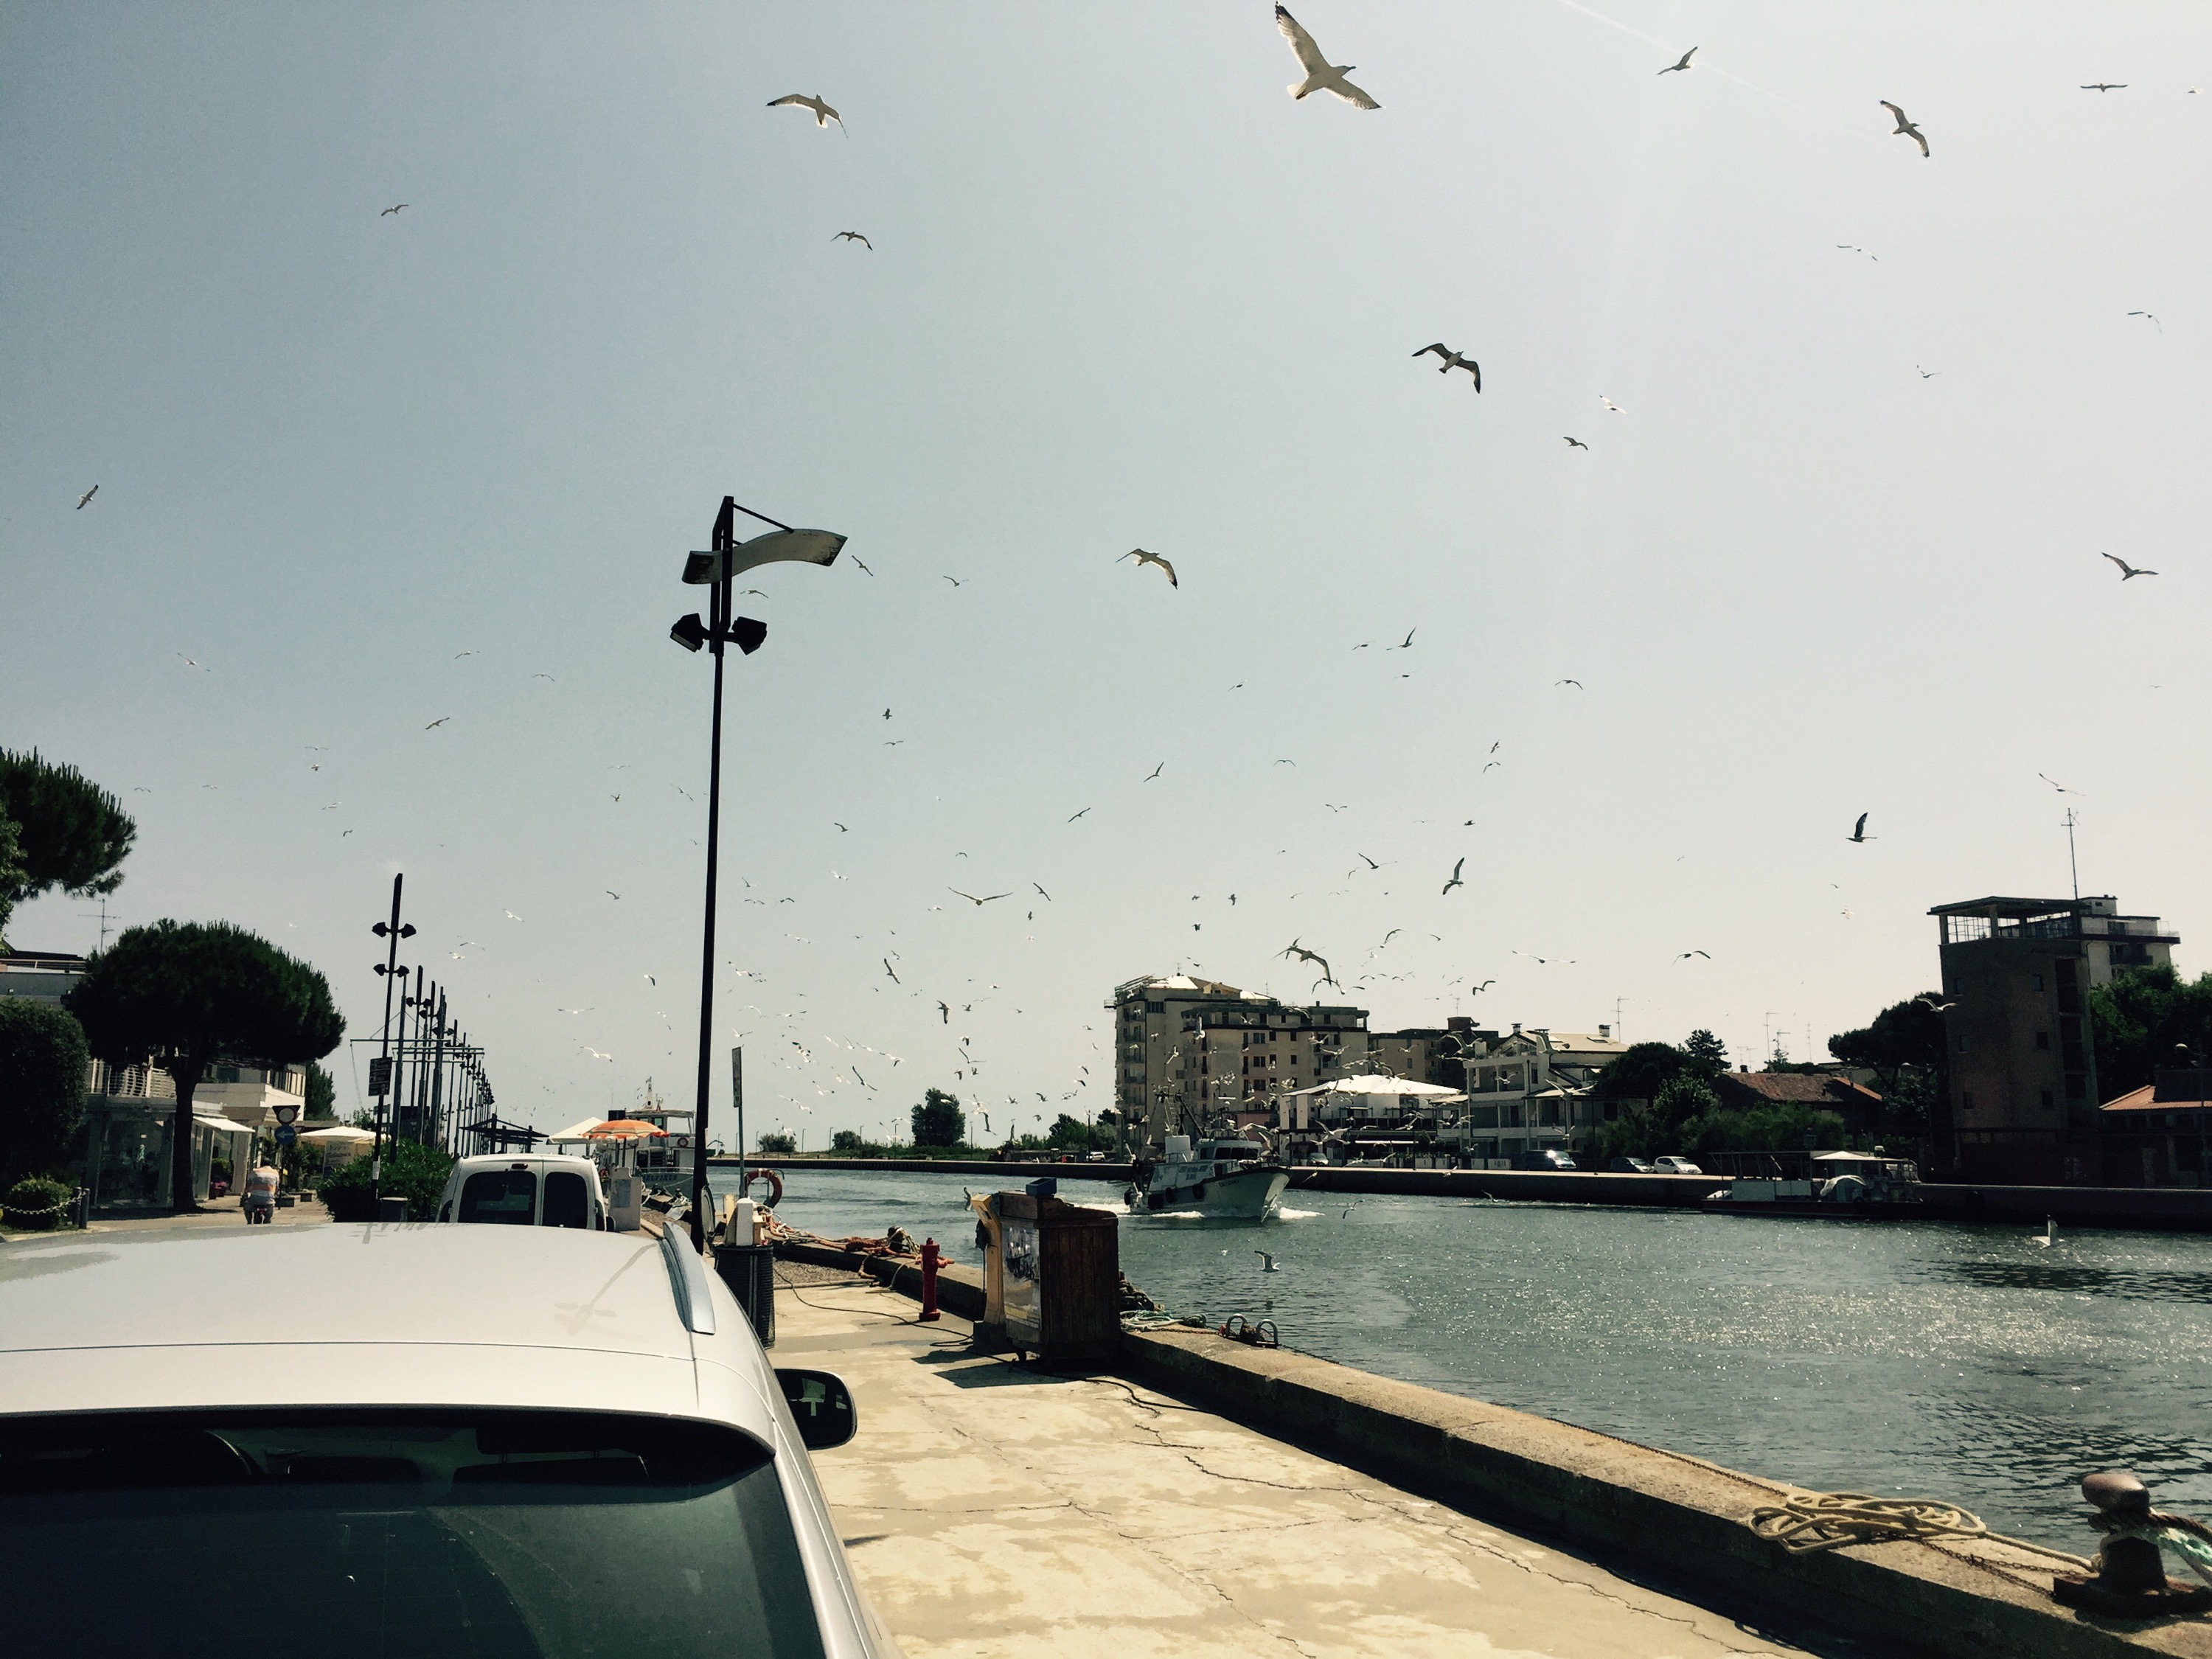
pixel 2020 1051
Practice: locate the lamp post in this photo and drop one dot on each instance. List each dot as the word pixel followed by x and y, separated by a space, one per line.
pixel 388 971
pixel 725 558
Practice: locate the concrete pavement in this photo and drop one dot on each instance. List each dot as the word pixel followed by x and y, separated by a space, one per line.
pixel 990 1508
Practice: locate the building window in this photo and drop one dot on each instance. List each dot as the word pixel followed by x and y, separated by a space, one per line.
pixel 1966 1100
pixel 2043 1040
pixel 1962 1045
pixel 2035 982
pixel 2047 1102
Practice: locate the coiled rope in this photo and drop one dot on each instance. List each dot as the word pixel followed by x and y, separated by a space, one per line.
pixel 1829 1520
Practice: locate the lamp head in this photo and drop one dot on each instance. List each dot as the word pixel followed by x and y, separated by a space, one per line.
pixel 802 546
pixel 690 632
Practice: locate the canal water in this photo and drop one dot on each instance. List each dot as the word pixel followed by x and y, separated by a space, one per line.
pixel 1906 1358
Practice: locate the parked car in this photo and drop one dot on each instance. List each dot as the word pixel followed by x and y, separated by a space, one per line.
pixel 1673 1165
pixel 535 1190
pixel 449 1440
pixel 1552 1158
pixel 1629 1166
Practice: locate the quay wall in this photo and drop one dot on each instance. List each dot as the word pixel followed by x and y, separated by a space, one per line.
pixel 1116 1173
pixel 1680 1519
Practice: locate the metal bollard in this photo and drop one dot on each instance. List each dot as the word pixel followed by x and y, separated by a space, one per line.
pixel 929 1255
pixel 2131 1581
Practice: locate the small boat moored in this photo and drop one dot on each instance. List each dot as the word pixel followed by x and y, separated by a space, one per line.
pixel 1841 1184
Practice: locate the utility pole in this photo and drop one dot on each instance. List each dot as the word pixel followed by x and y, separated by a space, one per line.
pixel 435 1125
pixel 380 1072
pixel 718 614
pixel 2072 867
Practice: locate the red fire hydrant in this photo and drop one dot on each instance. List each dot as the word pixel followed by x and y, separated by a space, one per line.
pixel 929 1255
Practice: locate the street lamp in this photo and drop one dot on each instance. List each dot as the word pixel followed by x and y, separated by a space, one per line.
pixel 713 568
pixel 380 1072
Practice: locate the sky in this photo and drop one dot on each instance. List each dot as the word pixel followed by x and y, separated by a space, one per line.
pixel 392 510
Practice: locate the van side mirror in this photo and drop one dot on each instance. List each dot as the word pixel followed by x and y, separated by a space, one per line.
pixel 822 1407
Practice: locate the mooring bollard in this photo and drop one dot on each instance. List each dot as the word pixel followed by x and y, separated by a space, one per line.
pixel 929 1255
pixel 2131 1581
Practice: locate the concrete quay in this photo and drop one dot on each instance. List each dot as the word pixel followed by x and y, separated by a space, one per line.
pixel 996 1508
pixel 1677 1525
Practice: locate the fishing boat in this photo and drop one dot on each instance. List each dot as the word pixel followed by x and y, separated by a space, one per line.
pixel 1852 1185
pixel 1216 1179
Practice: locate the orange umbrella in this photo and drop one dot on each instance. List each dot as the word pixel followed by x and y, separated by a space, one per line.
pixel 623 1126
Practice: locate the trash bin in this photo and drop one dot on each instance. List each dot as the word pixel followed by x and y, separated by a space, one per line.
pixel 750 1271
pixel 1060 1273
pixel 391 1209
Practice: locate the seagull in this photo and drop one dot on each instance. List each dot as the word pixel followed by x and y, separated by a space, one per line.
pixel 972 899
pixel 1406 644
pixel 1303 955
pixel 944 1014
pixel 389 211
pixel 856 558
pixel 1155 772
pixel 596 1055
pixel 1926 374
pixel 1477 990
pixel 1452 361
pixel 1577 443
pixel 1270 1267
pixel 2050 1234
pixel 1906 126
pixel 2105 86
pixel 1047 897
pixel 1859 833
pixel 1577 684
pixel 458 655
pixel 824 115
pixel 1853 247
pixel 1686 955
pixel 2155 323
pixel 2129 572
pixel 955 580
pixel 1676 68
pixel 189 662
pixel 1322 76
pixel 1611 407
pixel 544 676
pixel 888 968
pixel 87 496
pixel 511 916
pixel 854 236
pixel 1934 1006
pixel 1078 815
pixel 1144 558
pixel 2054 782
pixel 438 722
pixel 1456 881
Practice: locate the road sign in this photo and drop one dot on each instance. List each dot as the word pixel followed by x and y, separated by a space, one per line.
pixel 379 1076
pixel 286 1134
pixel 286 1114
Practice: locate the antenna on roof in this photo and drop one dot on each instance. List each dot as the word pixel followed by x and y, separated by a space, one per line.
pixel 2071 865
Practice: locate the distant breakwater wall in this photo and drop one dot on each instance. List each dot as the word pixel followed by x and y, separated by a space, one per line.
pixel 1117 1173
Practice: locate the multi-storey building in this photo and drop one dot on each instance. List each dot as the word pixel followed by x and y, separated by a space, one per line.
pixel 1528 1091
pixel 2021 1053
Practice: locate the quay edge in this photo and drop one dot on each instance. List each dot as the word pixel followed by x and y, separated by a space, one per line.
pixel 1678 1519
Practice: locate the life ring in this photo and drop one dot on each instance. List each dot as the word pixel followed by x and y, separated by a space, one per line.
pixel 774 1185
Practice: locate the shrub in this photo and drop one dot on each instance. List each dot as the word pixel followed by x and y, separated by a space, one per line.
pixel 42 1069
pixel 847 1141
pixel 29 1196
pixel 415 1173
pixel 776 1143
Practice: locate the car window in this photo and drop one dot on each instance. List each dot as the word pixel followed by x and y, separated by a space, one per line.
pixel 391 1533
pixel 507 1195
pixel 567 1202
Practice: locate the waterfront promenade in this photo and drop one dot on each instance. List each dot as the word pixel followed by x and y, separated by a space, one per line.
pixel 995 1509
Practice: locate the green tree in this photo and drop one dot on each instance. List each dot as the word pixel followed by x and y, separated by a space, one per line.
pixel 1781 1126
pixel 322 1093
pixel 2138 1018
pixel 848 1142
pixel 1642 1071
pixel 939 1121
pixel 43 1060
pixel 1660 1128
pixel 1706 1054
pixel 182 995
pixel 1903 1038
pixel 68 832
pixel 778 1143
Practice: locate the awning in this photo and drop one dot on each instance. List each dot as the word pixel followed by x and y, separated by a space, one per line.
pixel 578 1130
pixel 228 1125
pixel 342 1133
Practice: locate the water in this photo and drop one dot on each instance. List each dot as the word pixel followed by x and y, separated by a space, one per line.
pixel 1905 1359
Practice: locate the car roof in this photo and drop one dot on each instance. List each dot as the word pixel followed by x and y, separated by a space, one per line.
pixel 368 1314
pixel 525 1160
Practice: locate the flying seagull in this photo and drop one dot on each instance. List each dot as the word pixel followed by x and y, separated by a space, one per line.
pixel 1270 1267
pixel 389 211
pixel 2129 572
pixel 854 236
pixel 1072 816
pixel 1577 684
pixel 944 1014
pixel 2105 86
pixel 1452 360
pixel 1477 990
pixel 1155 772
pixel 1303 955
pixel 87 496
pixel 972 899
pixel 1859 833
pixel 1905 127
pixel 1144 558
pixel 1611 407
pixel 2154 323
pixel 1676 68
pixel 856 560
pixel 1926 374
pixel 2054 782
pixel 1456 881
pixel 1406 644
pixel 438 722
pixel 824 115
pixel 1686 955
pixel 1934 1006
pixel 893 972
pixel 1576 442
pixel 1322 76
pixel 1853 247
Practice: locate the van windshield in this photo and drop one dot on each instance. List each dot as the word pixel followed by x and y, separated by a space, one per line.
pixel 390 1534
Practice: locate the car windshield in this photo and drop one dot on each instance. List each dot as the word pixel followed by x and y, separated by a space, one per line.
pixel 366 1536
pixel 508 1195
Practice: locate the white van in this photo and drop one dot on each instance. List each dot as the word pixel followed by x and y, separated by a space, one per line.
pixel 531 1191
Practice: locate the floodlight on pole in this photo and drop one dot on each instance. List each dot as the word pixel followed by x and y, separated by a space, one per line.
pixel 727 558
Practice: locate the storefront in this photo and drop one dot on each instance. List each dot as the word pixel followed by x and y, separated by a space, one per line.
pixel 127 1154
